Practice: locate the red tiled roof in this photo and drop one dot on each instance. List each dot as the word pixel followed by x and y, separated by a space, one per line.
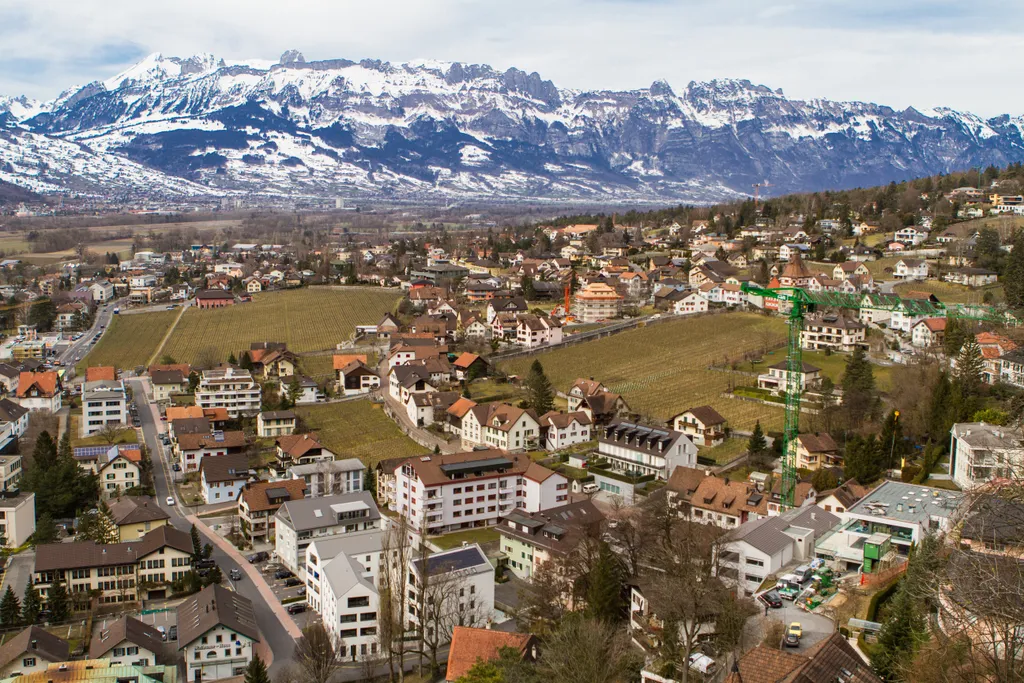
pixel 342 360
pixel 46 382
pixel 100 372
pixel 471 644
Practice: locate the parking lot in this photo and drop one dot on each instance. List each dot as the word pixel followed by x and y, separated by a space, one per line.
pixel 283 592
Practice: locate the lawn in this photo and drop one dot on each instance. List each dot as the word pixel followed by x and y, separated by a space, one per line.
pixel 832 366
pixel 305 319
pixel 490 390
pixel 725 452
pixel 130 340
pixel 877 267
pixel 454 540
pixel 951 293
pixel 128 435
pixel 663 369
pixel 359 429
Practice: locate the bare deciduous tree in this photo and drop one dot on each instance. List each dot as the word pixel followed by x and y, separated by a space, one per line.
pixel 587 651
pixel 318 655
pixel 396 550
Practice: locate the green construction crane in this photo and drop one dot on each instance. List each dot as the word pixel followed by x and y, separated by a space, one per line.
pixel 801 301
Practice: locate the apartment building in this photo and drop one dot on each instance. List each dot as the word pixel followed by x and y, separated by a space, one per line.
pixel 331 477
pixel 832 331
pixel 273 423
pixel 39 391
pixel 116 570
pixel 299 522
pixel 260 501
pixel 231 388
pixel 501 426
pixel 531 539
pixel 10 472
pixel 448 492
pixel 17 518
pixel 104 403
pixel 192 449
pixel 216 633
pixel 644 450
pixel 982 452
pixel 537 330
pixel 467 594
pixel 596 302
pixel 13 417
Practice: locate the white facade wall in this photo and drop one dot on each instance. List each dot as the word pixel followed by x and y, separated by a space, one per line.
pixel 219 653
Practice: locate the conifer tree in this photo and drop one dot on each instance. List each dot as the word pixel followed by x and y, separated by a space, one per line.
pixel 30 604
pixel 539 394
pixel 969 367
pixel 58 601
pixel 757 443
pixel 197 543
pixel 604 592
pixel 256 672
pixel 858 386
pixel 10 608
pixel 1013 277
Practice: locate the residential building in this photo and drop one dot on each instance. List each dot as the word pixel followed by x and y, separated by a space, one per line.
pixel 537 330
pixel 471 645
pixel 703 497
pixel 353 376
pixel 214 298
pixel 119 469
pixel 777 378
pixel 192 448
pixel 39 391
pixel 216 631
pixel 531 539
pixel 167 383
pixel 912 234
pixel 691 303
pixel 31 650
pixel 703 425
pixel 221 477
pixel 817 450
pixel 231 388
pixel 833 659
pixel 562 430
pixel 928 332
pixel 127 641
pixel 271 423
pixel 469 366
pixel 501 426
pixel 842 498
pixel 260 501
pixel 102 291
pixel 14 416
pixel 442 493
pixel 640 450
pixel 135 516
pixel 832 331
pixel 300 522
pixel 116 570
pixel 762 547
pixel 104 404
pixel 911 269
pixel 17 518
pixel 982 452
pixel 330 477
pixel 468 599
pixel 597 301
pixel 301 449
pixel 10 471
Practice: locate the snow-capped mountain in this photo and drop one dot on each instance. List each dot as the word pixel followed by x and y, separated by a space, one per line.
pixel 338 127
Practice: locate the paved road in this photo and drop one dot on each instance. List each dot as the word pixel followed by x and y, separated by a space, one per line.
pixel 282 644
pixel 19 571
pixel 816 626
pixel 76 350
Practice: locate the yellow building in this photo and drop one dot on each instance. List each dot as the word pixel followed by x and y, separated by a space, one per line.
pixel 136 516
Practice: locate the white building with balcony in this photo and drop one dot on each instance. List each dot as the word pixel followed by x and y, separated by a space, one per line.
pixel 982 452
pixel 467 598
pixel 331 477
pixel 832 331
pixel 300 522
pixel 230 388
pixel 104 403
pixel 643 450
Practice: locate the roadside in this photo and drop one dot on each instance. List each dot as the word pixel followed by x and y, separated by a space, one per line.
pixel 170 331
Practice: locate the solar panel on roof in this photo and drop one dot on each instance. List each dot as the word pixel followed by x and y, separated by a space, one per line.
pixel 277 493
pixel 488 463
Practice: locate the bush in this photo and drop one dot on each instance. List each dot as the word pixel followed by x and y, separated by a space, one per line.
pixel 880 597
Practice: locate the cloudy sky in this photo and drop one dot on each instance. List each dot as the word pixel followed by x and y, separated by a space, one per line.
pixel 924 53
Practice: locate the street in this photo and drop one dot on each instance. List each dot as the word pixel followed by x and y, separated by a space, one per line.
pixel 74 352
pixel 272 631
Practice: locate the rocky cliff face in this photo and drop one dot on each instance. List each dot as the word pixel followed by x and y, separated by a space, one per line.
pixel 339 127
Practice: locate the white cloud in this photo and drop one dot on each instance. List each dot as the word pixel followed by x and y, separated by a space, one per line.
pixel 911 53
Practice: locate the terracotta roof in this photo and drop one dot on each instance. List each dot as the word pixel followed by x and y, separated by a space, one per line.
pixel 126 628
pixel 45 382
pixel 500 416
pixel 587 386
pixel 255 494
pixel 100 372
pixel 472 644
pixel 213 606
pixel 720 495
pixel 430 473
pixel 36 641
pixel 297 445
pixel 182 412
pixel 935 324
pixel 135 509
pixel 216 414
pixel 685 480
pixel 848 493
pixel 766 665
pixel 343 360
pixel 194 442
pixel 831 659
pixel 560 420
pixel 465 360
pixel 461 407
pixel 538 473
pixel 796 268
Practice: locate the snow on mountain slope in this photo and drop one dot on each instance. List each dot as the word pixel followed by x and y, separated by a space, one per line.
pixel 428 127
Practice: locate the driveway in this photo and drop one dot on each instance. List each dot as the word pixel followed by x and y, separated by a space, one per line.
pixel 19 571
pixel 816 627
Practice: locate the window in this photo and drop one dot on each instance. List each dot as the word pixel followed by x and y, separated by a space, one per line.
pixel 359 602
pixel 349 633
pixel 28 661
pixel 348 618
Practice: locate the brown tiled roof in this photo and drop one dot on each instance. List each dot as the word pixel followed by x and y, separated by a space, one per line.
pixel 255 494
pixel 829 660
pixel 848 493
pixel 168 377
pixel 190 425
pixel 466 360
pixel 685 480
pixel 297 445
pixel 126 628
pixel 183 368
pixel 588 386
pixel 561 420
pixel 179 412
pixel 36 642
pixel 84 554
pixel 472 644
pixel 706 414
pixel 100 372
pixel 230 467
pixel 213 606
pixel 505 414
pixel 430 472
pixel 194 442
pixel 720 495
pixel 135 509
pixel 46 382
pixel 216 414
pixel 343 360
pixel 818 443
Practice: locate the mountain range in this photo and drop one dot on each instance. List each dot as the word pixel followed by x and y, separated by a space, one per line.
pixel 205 126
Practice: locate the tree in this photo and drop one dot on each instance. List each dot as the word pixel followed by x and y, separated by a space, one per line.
pixel 858 386
pixel 110 433
pixel 604 590
pixel 863 460
pixel 256 672
pixel 232 360
pixel 30 604
pixel 993 416
pixel 823 480
pixel 318 655
pixel 1013 277
pixel 42 315
pixel 46 530
pixel 483 672
pixel 529 292
pixel 539 394
pixel 294 389
pixel 586 651
pixel 393 605
pixel 10 608
pixel 58 601
pixel 197 543
pixel 757 444
pixel 969 367
pixel 245 361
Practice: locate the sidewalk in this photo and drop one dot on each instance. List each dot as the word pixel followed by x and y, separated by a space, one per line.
pixel 254 575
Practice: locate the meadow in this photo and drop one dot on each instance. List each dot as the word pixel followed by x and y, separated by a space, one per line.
pixel 663 369
pixel 359 429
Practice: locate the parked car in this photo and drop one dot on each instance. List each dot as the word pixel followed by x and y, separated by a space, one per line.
pixel 301 591
pixel 702 663
pixel 591 488
pixel 235 575
pixel 206 564
pixel 293 581
pixel 282 574
pixel 771 598
pixel 297 608
pixel 793 634
pixel 176 467
pixel 259 557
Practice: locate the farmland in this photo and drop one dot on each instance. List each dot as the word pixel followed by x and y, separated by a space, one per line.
pixel 131 340
pixel 832 366
pixel 662 370
pixel 359 429
pixel 951 293
pixel 305 319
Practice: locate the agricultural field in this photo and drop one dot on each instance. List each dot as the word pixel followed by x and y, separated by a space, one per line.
pixel 951 293
pixel 130 340
pixel 663 369
pixel 832 366
pixel 305 319
pixel 359 429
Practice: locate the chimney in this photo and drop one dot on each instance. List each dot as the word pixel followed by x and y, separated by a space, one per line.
pixel 34 643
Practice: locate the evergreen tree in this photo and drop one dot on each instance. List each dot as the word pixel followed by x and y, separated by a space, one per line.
pixel 10 608
pixel 232 360
pixel 823 480
pixel 1013 277
pixel 539 394
pixel 294 390
pixel 245 361
pixel 862 460
pixel 901 632
pixel 757 443
pixel 969 367
pixel 30 604
pixel 604 589
pixel 526 283
pixel 954 338
pixel 64 447
pixel 197 543
pixel 46 530
pixel 58 601
pixel 482 672
pixel 858 386
pixel 256 672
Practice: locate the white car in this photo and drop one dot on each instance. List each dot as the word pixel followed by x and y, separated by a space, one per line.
pixel 170 500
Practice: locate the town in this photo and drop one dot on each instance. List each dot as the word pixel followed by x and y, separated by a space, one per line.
pixel 777 439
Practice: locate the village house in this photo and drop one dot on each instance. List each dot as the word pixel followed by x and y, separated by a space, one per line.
pixel 192 448
pixel 127 642
pixel 705 498
pixel 471 645
pixel 817 450
pixel 301 449
pixel 984 452
pixel 330 477
pixel 500 425
pixel 842 498
pixel 703 425
pixel 135 516
pixel 928 332
pixel 912 234
pixel 777 378
pixel 31 650
pixel 691 303
pixel 531 539
pixel 832 330
pixel 993 346
pixel 260 501
pixel 271 423
pixel 214 298
pixel 217 633
pixel 221 477
pixel 167 383
pixel 848 269
pixel 39 391
pixel 592 398
pixel 534 330
pixel 562 430
pixel 353 376
pixel 911 269
pixel 640 450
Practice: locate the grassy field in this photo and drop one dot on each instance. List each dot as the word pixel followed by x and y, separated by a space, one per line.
pixel 832 366
pixel 878 266
pixel 124 436
pixel 662 370
pixel 130 340
pixel 359 429
pixel 950 293
pixel 725 452
pixel 305 319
